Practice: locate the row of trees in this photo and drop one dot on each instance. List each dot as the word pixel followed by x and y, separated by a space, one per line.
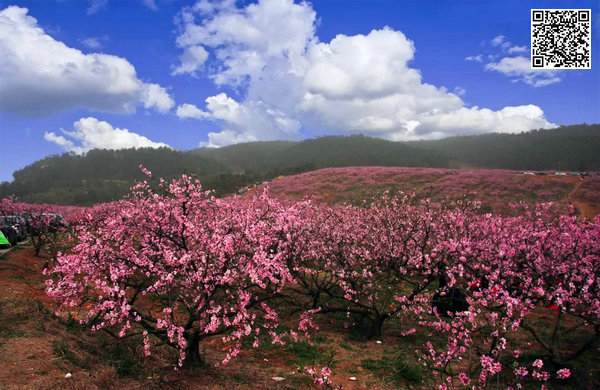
pixel 177 265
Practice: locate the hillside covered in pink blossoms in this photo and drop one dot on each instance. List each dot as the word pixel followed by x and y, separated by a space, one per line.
pixel 496 189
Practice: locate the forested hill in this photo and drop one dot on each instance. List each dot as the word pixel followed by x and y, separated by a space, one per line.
pixel 565 148
pixel 99 175
pixel 331 151
pixel 102 175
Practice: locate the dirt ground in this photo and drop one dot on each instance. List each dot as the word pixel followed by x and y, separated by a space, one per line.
pixel 38 350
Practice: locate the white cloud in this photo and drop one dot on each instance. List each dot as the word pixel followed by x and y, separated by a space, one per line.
pixel 519 69
pixel 90 133
pixel 192 58
pixel 185 111
pixel 156 97
pixel 39 75
pixel 361 83
pixel 477 58
pixel 150 4
pixel 95 6
pixel 517 49
pixel 226 137
pixel 246 40
pixel 63 142
pixel 475 120
pixel 92 42
pixel 249 121
pixel 498 40
pixel 460 91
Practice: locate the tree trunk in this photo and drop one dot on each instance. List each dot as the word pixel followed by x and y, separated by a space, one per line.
pixel 376 325
pixel 192 352
pixel 37 244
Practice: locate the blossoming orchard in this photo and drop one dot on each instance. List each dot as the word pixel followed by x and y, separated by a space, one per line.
pixel 175 266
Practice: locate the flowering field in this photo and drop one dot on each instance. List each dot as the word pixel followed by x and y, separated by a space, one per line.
pixel 496 189
pixel 399 291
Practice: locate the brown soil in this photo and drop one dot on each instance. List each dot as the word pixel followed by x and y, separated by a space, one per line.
pixel 588 208
pixel 38 349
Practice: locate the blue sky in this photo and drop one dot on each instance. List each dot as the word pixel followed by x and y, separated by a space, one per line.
pixel 76 75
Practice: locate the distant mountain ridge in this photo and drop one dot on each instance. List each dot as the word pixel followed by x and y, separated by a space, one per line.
pixel 103 175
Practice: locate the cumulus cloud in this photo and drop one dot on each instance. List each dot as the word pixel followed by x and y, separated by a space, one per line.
pixel 192 58
pixel 156 97
pixel 185 111
pixel 362 83
pixel 90 133
pixel 226 137
pixel 519 69
pixel 39 75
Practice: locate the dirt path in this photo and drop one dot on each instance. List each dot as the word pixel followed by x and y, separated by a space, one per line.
pixel 6 250
pixel 586 208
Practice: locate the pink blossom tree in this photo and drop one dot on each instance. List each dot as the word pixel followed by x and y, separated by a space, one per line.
pixel 179 265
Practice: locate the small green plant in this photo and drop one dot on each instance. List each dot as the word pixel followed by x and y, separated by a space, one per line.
pixel 241 377
pixel 395 370
pixel 122 357
pixel 347 347
pixel 61 349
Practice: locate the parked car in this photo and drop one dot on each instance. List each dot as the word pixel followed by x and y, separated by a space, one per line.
pixel 27 218
pixel 9 231
pixel 19 224
pixel 55 222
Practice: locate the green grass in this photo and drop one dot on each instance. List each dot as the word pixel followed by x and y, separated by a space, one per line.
pixel 11 333
pixel 121 355
pixel 347 347
pixel 61 349
pixel 394 370
pixel 305 354
pixel 241 377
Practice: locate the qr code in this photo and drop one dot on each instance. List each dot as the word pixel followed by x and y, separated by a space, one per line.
pixel 561 39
